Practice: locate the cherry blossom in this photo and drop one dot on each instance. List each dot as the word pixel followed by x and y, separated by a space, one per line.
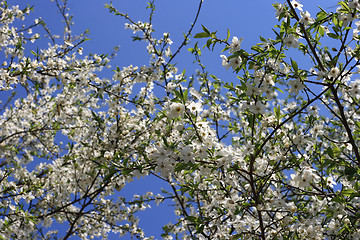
pixel 306 19
pixel 268 152
pixel 297 5
pixel 296 86
pixel 235 44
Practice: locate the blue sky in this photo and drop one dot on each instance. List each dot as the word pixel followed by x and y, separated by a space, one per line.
pixel 247 19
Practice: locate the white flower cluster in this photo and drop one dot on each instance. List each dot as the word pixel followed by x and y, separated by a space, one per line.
pixel 241 160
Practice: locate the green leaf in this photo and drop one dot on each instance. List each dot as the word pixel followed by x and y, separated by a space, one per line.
pixel 338 199
pixel 321 15
pixel 192 219
pixel 334 36
pixel 202 35
pixel 214 77
pixel 126 171
pixel 125 162
pixel 208 43
pixel 294 65
pixel 277 112
pixel 111 173
pixel 335 20
pixel 344 5
pixel 185 95
pixel 257 48
pixel 200 228
pixel 178 94
pixel 330 152
pixel 321 31
pixel 205 29
pixel 347 192
pixel 181 166
pixel 350 172
pixel 279 89
pixel 165 141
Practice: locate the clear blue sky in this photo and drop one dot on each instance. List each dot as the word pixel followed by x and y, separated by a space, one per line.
pixel 248 19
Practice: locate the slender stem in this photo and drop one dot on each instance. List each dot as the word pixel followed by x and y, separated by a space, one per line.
pixel 188 34
pixel 303 30
pixel 256 196
pixel 343 120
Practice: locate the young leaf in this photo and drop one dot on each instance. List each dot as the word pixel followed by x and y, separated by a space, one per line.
pixel 202 35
